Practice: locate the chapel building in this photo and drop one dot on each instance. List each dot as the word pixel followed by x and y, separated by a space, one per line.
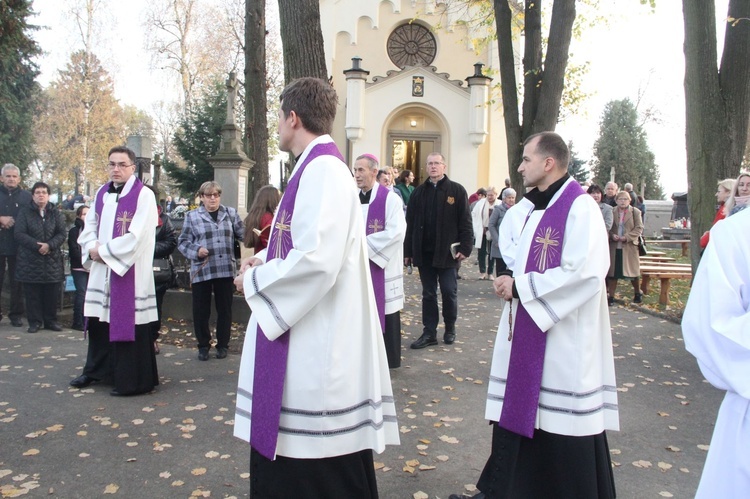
pixel 413 79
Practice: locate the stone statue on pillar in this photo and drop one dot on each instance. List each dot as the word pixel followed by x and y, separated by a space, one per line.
pixel 232 85
pixel 231 164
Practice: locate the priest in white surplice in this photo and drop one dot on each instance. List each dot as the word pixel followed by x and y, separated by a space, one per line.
pixel 385 226
pixel 117 245
pixel 716 328
pixel 314 396
pixel 552 390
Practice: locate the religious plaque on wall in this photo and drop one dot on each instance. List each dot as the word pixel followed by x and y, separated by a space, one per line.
pixel 412 45
pixel 417 86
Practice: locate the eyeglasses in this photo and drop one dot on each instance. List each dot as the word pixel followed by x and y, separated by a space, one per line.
pixel 212 195
pixel 118 166
pixel 434 163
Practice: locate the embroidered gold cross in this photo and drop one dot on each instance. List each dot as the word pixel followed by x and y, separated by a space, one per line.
pixel 282 225
pixel 546 242
pixel 375 226
pixel 124 219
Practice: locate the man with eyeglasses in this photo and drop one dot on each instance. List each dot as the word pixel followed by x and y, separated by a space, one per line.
pixel 12 198
pixel 439 236
pixel 207 240
pixel 117 246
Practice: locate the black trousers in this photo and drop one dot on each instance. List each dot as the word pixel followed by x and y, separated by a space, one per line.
pixel 41 302
pixel 348 476
pixel 129 365
pixel 16 287
pixel 161 290
pixel 499 266
pixel 431 277
pixel 223 291
pixel 548 465
pixel 392 339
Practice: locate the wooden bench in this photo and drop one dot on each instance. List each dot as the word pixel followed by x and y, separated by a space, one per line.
pixel 665 272
pixel 684 243
pixel 656 259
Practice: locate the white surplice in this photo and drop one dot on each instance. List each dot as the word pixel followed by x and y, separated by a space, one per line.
pixel 578 395
pixel 134 249
pixel 386 248
pixel 337 391
pixel 716 329
pixel 510 230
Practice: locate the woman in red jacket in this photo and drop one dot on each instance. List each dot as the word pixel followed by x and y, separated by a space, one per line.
pixel 722 194
pixel 260 216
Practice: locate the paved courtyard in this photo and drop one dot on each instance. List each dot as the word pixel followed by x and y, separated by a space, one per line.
pixel 56 441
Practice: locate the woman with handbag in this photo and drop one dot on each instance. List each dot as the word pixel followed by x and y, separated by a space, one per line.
pixel 166 243
pixel 627 228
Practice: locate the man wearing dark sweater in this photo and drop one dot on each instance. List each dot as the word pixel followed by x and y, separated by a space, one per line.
pixel 438 236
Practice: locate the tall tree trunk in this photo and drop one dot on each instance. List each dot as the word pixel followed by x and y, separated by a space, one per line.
pixel 717 105
pixel 544 76
pixel 256 123
pixel 302 38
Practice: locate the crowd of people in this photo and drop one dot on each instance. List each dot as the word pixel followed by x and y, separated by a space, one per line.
pixel 325 287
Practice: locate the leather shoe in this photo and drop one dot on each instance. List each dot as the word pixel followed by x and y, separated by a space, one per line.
pixel 203 354
pixel 82 381
pixel 54 326
pixel 16 323
pixel 33 328
pixel 424 341
pixel 449 337
pixel 221 353
pixel 638 298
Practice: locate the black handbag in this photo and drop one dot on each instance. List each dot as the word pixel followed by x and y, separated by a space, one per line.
pixel 162 270
pixel 642 250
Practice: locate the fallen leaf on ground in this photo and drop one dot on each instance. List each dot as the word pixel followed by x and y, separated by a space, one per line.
pixel 111 488
pixel 198 471
pixel 642 464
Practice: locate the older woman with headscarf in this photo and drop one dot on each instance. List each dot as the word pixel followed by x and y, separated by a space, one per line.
pixel 723 191
pixel 623 247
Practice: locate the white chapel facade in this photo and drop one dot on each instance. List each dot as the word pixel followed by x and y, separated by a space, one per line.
pixel 410 82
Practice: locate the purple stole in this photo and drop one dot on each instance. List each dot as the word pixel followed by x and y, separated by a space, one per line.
pixel 376 223
pixel 271 356
pixel 122 289
pixel 524 378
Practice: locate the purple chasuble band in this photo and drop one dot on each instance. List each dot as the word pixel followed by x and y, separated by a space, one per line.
pixel 122 288
pixel 524 380
pixel 376 223
pixel 271 356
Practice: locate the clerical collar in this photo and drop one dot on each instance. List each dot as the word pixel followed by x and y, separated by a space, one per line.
pixel 542 198
pixel 364 197
pixel 115 188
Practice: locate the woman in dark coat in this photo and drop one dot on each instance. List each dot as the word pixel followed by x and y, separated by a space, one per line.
pixel 40 233
pixel 625 263
pixel 80 274
pixel 166 243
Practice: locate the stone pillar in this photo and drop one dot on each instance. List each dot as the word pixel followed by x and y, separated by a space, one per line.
pixel 356 77
pixel 231 164
pixel 479 85
pixel 141 146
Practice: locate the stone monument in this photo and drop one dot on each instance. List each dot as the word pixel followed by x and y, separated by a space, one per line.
pixel 231 164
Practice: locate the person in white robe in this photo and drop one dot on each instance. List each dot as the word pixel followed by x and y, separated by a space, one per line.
pixel 337 404
pixel 577 398
pixel 109 246
pixel 716 329
pixel 385 247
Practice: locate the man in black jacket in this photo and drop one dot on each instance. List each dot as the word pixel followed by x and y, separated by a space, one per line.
pixel 11 198
pixel 438 236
